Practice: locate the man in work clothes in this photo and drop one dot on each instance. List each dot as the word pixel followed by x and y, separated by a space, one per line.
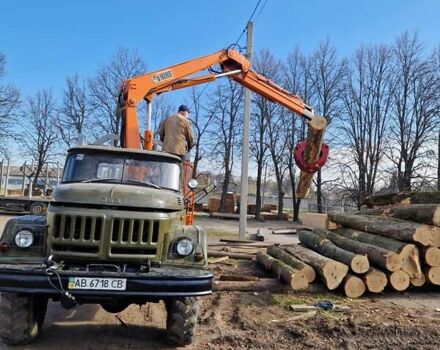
pixel 176 133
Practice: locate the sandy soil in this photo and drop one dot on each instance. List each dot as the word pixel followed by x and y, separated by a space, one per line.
pixel 234 320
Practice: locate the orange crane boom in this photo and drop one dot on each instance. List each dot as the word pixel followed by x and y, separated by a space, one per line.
pixel 232 64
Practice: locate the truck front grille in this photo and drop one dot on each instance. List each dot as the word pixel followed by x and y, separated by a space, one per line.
pixel 134 236
pixel 98 237
pixel 74 234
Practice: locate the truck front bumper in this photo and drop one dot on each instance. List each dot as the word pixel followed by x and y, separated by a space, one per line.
pixel 157 283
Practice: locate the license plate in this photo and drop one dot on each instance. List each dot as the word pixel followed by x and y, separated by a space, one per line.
pixel 97 283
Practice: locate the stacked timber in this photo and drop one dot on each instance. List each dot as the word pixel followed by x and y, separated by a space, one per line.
pixel 386 247
pixel 411 231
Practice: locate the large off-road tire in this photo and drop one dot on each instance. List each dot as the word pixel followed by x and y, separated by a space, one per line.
pixel 21 317
pixel 181 320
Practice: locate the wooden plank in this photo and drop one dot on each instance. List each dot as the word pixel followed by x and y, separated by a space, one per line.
pixel 317 220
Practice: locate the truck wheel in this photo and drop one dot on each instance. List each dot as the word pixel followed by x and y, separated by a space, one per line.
pixel 21 317
pixel 38 208
pixel 181 320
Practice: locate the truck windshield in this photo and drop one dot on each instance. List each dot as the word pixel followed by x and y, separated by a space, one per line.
pixel 116 168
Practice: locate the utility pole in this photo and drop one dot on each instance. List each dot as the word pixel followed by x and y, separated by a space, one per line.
pixel 245 155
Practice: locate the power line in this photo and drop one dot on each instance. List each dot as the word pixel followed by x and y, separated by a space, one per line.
pixel 250 19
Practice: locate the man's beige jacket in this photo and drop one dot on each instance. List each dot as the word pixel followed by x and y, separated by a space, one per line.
pixel 176 134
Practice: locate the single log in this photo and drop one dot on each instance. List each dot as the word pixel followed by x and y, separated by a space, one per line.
pixel 241 251
pixel 230 255
pixel 291 231
pixel 263 285
pixel 332 272
pixel 398 280
pixel 265 260
pixel 389 227
pixel 418 281
pixel 290 260
pixel 294 278
pixel 430 256
pixel 408 252
pixel 237 278
pixel 383 258
pixel 353 286
pixel 375 280
pixel 428 214
pixel 433 275
pixel 217 260
pixel 311 154
pixel 240 241
pixel 403 198
pixel 316 240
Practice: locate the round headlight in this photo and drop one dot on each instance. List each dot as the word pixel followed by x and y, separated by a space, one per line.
pixel 184 247
pixel 24 238
pixel 193 183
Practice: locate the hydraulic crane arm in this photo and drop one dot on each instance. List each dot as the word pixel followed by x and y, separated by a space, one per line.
pixel 232 64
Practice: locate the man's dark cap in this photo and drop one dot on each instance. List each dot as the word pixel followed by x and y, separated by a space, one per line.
pixel 183 108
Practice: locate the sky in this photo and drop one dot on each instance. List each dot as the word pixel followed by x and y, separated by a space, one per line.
pixel 45 41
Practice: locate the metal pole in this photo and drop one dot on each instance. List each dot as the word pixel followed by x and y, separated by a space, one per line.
pixel 47 178
pixel 7 177
pixel 245 155
pixel 58 173
pixel 23 184
pixel 30 181
pixel 1 176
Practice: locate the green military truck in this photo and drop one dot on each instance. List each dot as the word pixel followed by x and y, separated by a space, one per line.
pixel 113 235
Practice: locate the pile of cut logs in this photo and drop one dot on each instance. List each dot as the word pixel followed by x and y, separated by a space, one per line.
pixel 394 246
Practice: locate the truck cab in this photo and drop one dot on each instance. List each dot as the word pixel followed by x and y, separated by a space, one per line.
pixel 114 235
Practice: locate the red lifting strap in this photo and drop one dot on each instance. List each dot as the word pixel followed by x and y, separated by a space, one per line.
pixel 313 167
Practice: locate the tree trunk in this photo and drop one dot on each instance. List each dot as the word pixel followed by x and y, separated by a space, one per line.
pixel 407 197
pixel 332 272
pixel 398 280
pixel 433 275
pixel 353 286
pixel 383 258
pixel 408 252
pixel 290 260
pixel 375 280
pixel 296 205
pixel 389 227
pixel 430 256
pixel 319 243
pixel 419 281
pixel 319 192
pixel 296 279
pixel 311 154
pixel 428 214
pixel 258 193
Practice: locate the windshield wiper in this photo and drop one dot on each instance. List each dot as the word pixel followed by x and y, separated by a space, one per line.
pixel 100 179
pixel 146 183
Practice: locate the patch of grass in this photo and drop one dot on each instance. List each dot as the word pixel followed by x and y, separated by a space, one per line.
pixel 284 300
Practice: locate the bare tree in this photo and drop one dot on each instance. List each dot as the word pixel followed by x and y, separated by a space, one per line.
pixel 9 102
pixel 225 129
pixel 326 73
pixel 367 99
pixel 39 133
pixel 415 112
pixel 265 64
pixel 201 121
pixel 297 80
pixel 75 111
pixel 105 86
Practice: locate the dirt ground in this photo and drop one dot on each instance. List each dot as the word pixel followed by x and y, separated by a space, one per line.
pixel 251 320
